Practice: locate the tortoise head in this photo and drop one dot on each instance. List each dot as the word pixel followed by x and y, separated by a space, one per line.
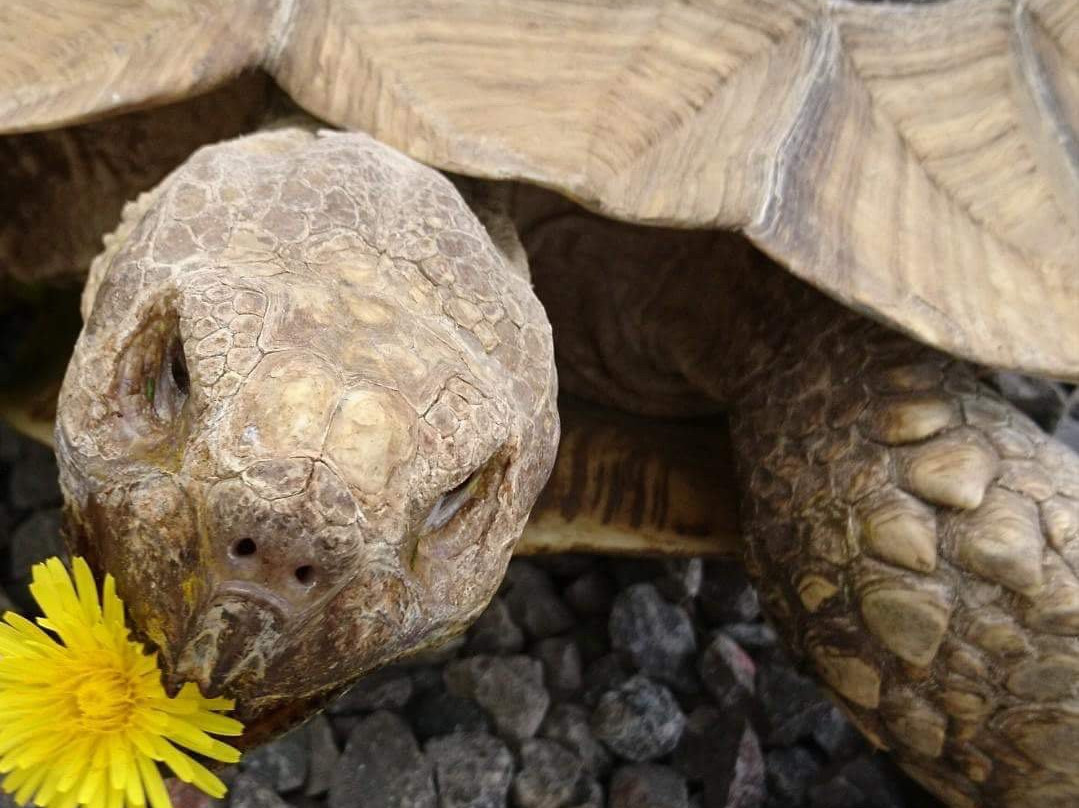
pixel 307 417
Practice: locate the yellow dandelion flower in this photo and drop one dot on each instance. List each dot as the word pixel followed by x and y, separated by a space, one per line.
pixel 84 718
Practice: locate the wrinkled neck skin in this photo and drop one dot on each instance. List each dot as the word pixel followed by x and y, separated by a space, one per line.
pixel 627 302
pixel 309 412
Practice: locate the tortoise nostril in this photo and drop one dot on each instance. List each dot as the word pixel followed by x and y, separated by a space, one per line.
pixel 244 547
pixel 305 574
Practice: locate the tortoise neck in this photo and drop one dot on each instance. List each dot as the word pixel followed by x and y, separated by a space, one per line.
pixel 665 322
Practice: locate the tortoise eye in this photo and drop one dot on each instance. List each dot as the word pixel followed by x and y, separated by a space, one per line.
pixel 168 389
pixel 451 502
pixel 178 367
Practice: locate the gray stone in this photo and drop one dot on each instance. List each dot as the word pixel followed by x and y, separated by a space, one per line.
pixel 33 481
pixel 589 794
pixel 382 767
pixel 864 781
pixel 495 632
pixel 248 791
pixel 386 689
pixel 656 634
pixel 533 602
pixel 509 689
pixel 1041 399
pixel 630 571
pixel 793 704
pixel 790 770
pixel 727 672
pixel 648 786
pixel 720 749
pixel 569 725
pixel 835 735
pixel 472 770
pixel 592 594
pixel 5 603
pixel 606 673
pixel 592 638
pixel 727 596
pixel 738 781
pixel 35 539
pixel 561 664
pixel 639 720
pixel 323 757
pixel 281 764
pixel 753 637
pixel 1067 431
pixel 436 712
pixel 548 776
pixel 681 579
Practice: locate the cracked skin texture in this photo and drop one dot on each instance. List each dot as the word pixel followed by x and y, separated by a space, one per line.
pixel 297 348
pixel 914 538
pixel 353 349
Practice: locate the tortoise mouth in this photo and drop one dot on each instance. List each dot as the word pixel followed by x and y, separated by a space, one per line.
pixel 230 645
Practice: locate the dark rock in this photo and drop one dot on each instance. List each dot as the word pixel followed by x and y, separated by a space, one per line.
pixel 548 776
pixel 793 704
pixel 606 673
pixel 1067 430
pixel 436 712
pixel 382 767
pixel 565 565
pixel 592 638
pixel 472 770
pixel 533 602
pixel 509 689
pixel 589 794
pixel 639 720
pixel 569 725
pixel 561 664
pixel 753 637
pixel 720 749
pixel 658 636
pixel 34 540
pixel 835 735
pixel 34 479
pixel 681 579
pixel 741 782
pixel 591 594
pixel 1042 400
pixel 495 632
pixel 425 679
pixel 727 672
pixel 790 770
pixel 630 571
pixel 864 781
pixel 11 444
pixel 281 764
pixel 727 596
pixel 323 758
pixel 248 791
pixel 386 689
pixel 648 786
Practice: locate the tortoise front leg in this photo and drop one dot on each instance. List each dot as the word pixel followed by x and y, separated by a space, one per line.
pixel 914 538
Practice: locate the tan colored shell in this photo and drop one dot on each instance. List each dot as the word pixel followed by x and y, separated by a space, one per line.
pixel 920 163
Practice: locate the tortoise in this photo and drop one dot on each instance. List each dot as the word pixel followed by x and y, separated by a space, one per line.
pixel 314 399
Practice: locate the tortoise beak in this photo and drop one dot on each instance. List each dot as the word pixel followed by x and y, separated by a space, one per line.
pixel 228 648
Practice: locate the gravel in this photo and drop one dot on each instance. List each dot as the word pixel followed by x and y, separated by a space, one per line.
pixel 590 683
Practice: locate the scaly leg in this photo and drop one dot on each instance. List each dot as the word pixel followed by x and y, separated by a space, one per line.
pixel 914 537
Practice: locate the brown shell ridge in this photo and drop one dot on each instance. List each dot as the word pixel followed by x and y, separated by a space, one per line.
pixel 823 221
